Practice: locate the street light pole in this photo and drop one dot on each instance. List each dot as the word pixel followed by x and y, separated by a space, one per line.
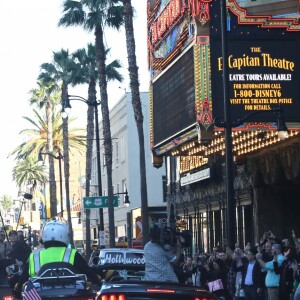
pixel 126 200
pixel 230 199
pixel 59 157
pixel 94 104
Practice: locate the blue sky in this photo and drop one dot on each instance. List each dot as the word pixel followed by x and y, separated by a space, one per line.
pixel 29 33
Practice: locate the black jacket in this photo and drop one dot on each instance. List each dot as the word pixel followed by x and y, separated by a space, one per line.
pixel 257 275
pixel 20 251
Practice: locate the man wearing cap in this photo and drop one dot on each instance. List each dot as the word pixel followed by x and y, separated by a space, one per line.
pixel 272 279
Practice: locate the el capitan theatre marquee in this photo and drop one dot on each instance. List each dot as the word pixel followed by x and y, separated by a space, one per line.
pixel 185 64
pixel 263 71
pixel 262 76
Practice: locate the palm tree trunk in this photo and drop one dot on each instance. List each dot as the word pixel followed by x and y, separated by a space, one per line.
pixel 100 52
pixel 138 114
pixel 66 161
pixel 90 128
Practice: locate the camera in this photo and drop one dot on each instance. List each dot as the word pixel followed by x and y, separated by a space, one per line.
pixel 168 237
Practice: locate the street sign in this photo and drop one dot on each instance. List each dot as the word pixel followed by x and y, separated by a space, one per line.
pixel 98 202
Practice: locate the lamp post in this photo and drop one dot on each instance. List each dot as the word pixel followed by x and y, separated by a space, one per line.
pixel 126 200
pixel 230 200
pixel 67 107
pixel 59 157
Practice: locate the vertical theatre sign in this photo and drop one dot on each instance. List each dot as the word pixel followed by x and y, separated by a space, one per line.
pixel 172 31
pixel 263 70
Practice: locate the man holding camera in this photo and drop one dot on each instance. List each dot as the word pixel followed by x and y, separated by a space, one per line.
pixel 159 255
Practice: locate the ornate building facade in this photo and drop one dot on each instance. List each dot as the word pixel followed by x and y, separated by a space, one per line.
pixel 186 101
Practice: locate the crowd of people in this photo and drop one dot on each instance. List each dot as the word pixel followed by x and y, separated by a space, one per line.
pixel 268 270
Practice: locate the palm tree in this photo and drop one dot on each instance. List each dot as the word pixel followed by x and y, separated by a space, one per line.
pixel 138 113
pixel 28 169
pixel 36 140
pixel 87 73
pixel 6 201
pixel 97 16
pixel 62 70
pixel 44 97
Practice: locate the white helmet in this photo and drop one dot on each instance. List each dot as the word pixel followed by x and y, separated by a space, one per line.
pixel 56 230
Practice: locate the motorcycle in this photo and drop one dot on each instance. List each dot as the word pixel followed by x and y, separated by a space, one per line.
pixel 59 280
pixel 7 281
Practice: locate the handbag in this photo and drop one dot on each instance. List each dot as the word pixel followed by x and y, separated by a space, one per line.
pixel 215 285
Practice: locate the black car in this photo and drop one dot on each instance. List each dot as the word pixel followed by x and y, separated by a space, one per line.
pixel 143 290
pixel 125 282
pixel 123 271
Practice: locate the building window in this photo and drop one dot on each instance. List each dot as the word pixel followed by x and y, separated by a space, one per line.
pixel 117 153
pixel 122 148
pixel 93 173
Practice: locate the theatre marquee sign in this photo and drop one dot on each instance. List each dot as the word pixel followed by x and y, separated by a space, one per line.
pixel 198 176
pixel 261 76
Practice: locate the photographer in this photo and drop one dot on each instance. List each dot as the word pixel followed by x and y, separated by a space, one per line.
pixel 159 255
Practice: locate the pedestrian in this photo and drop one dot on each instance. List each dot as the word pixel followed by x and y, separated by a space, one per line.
pixel 188 268
pixel 216 278
pixel 252 279
pixel 286 272
pixel 238 261
pixel 272 279
pixel 159 261
pixel 18 255
pixel 5 248
pixel 21 235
